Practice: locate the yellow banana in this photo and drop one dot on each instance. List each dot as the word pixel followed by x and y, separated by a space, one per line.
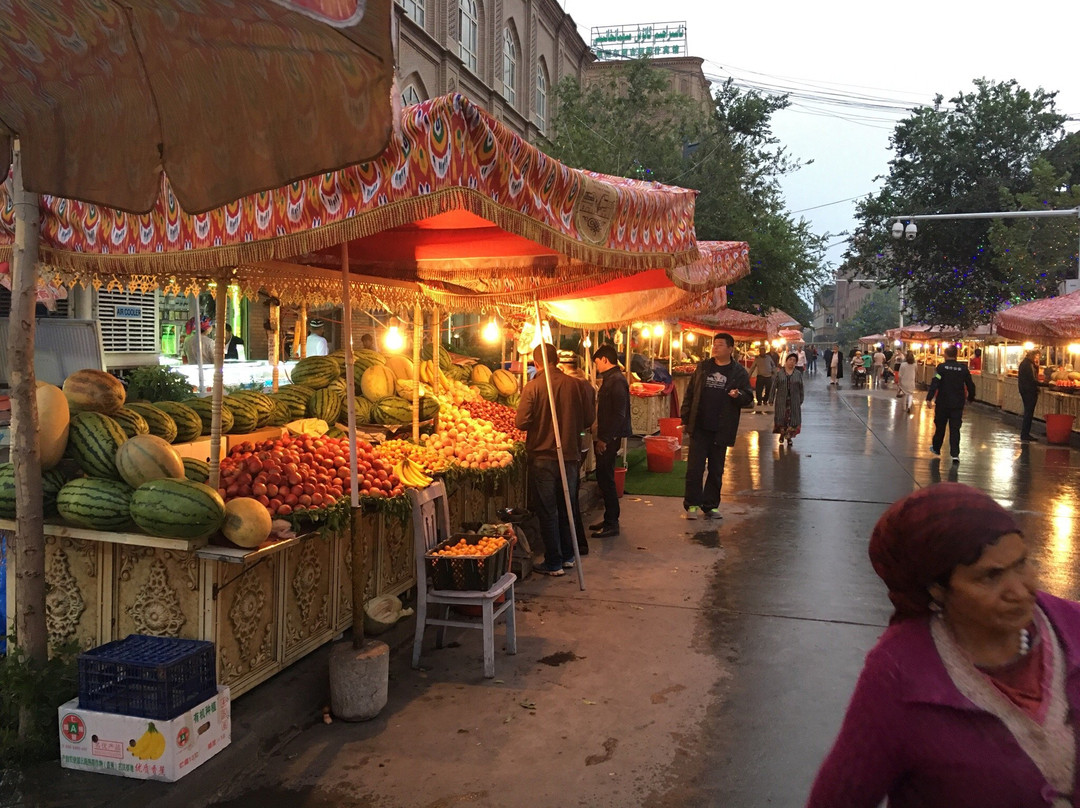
pixel 150 746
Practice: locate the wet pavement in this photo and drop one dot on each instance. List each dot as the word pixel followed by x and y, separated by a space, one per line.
pixel 706 663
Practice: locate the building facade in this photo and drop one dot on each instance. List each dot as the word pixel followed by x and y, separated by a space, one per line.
pixel 505 55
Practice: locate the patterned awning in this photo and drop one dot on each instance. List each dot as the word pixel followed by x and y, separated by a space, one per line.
pixel 1053 319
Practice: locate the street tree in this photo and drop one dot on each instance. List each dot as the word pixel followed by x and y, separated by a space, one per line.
pixel 632 124
pixel 998 147
pixel 878 313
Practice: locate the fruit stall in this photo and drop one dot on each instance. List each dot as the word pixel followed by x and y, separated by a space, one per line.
pixel 191 556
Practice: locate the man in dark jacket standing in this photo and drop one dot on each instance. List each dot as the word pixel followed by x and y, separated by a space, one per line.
pixel 951 381
pixel 575 415
pixel 1027 379
pixel 612 425
pixel 717 392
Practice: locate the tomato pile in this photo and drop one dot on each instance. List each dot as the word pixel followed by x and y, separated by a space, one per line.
pixel 292 475
pixel 499 415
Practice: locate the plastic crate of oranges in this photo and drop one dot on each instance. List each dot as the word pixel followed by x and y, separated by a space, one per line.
pixel 468 562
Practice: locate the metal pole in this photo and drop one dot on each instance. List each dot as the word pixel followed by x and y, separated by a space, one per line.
pixel 197 333
pixel 418 337
pixel 559 452
pixel 221 296
pixel 275 344
pixel 350 389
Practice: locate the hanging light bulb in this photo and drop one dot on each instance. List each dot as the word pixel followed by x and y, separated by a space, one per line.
pixel 1029 346
pixel 491 331
pixel 645 333
pixel 676 343
pixel 658 330
pixel 587 342
pixel 393 341
pixel 690 336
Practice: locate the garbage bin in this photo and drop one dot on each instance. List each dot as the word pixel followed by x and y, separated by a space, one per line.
pixel 672 428
pixel 1058 428
pixel 620 480
pixel 660 452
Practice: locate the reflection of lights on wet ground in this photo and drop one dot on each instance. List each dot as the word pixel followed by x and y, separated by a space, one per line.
pixel 753 454
pixel 1062 523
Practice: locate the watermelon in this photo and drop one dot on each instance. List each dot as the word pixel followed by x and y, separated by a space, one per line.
pixel 338 386
pixel 363 411
pixel 92 443
pixel 487 391
pixel 51 483
pixel 159 422
pixel 427 352
pixel 296 396
pixel 96 504
pixel 366 358
pixel 94 391
pixel 188 422
pixel 204 407
pixel 131 422
pixel 334 432
pixel 315 371
pixel 339 359
pixel 429 407
pixel 263 404
pixel 7 491
pixel 245 415
pixel 280 415
pixel 196 470
pixel 392 410
pixel 324 404
pixel 177 509
pixel 147 457
pixel 458 373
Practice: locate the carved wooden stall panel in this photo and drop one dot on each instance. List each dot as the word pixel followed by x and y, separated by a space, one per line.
pixel 73 596
pixel 245 602
pixel 309 594
pixel 397 570
pixel 156 592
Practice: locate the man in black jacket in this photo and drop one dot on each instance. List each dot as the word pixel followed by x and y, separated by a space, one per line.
pixel 951 380
pixel 717 392
pixel 1027 380
pixel 612 425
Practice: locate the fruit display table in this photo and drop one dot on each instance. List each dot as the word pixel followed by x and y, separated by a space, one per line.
pixel 263 608
pixel 646 412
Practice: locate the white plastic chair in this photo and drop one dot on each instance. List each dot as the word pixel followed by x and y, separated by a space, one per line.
pixel 431 525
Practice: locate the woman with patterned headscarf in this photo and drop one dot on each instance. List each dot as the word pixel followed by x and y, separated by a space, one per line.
pixel 970 697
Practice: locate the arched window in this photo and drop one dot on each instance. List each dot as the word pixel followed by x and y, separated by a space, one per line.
pixel 541 98
pixel 414 10
pixel 509 67
pixel 410 96
pixel 468 32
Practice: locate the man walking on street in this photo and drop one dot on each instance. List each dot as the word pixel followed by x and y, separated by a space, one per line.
pixel 1027 380
pixel 951 381
pixel 878 365
pixel 764 367
pixel 545 483
pixel 717 392
pixel 612 425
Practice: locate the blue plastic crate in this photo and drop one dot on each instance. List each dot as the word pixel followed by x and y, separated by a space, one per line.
pixel 150 677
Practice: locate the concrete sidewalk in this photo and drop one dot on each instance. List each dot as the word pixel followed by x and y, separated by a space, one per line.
pixel 706 663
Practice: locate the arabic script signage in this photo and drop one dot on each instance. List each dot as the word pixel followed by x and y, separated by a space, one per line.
pixel 645 39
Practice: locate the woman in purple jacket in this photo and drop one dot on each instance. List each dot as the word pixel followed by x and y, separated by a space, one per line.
pixel 971 696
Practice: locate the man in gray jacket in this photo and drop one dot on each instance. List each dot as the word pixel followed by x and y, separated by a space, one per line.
pixel 717 392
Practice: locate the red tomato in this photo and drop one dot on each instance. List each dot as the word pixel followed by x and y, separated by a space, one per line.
pixel 274 505
pixel 284 510
pixel 294 478
pixel 343 474
pixel 304 499
pixel 260 489
pixel 309 488
pixel 290 499
pixel 264 500
pixel 317 499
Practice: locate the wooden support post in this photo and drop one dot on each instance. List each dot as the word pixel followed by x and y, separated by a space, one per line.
pixel 221 297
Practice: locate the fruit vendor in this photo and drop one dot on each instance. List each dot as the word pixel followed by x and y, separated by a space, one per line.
pixel 545 483
pixel 316 341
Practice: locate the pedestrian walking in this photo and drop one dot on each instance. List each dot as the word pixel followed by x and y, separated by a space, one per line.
pixel 545 483
pixel 612 425
pixel 878 367
pixel 905 380
pixel 715 396
pixel 764 367
pixel 800 358
pixel 1027 380
pixel 811 358
pixel 787 399
pixel 834 359
pixel 969 698
pixel 569 366
pixel 951 380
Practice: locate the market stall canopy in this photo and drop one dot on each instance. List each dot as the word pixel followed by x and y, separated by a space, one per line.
pixel 653 294
pixel 740 324
pixel 780 321
pixel 105 96
pixel 1053 319
pixel 872 339
pixel 456 197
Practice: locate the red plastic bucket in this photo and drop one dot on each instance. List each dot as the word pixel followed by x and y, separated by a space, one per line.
pixel 620 479
pixel 1058 428
pixel 660 452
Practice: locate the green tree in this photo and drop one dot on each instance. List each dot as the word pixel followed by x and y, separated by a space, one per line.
pixel 634 125
pixel 879 312
pixel 999 147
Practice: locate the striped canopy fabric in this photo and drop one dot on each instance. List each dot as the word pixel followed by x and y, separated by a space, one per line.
pixel 224 98
pixel 1054 319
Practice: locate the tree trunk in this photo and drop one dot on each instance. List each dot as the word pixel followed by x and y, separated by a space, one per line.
pixel 28 542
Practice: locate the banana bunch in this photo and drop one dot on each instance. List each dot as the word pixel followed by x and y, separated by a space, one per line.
pixel 150 746
pixel 411 474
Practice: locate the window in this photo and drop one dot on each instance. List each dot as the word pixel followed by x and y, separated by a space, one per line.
pixel 541 98
pixel 414 10
pixel 509 67
pixel 410 96
pixel 468 31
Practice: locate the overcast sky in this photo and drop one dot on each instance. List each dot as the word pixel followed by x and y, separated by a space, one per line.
pixel 889 56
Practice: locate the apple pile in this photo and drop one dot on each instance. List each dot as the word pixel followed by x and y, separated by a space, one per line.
pixel 500 415
pixel 294 474
pixel 469 442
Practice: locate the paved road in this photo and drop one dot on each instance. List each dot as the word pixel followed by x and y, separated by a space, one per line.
pixel 706 664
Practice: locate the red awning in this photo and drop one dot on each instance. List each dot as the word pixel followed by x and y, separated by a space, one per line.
pixel 1053 319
